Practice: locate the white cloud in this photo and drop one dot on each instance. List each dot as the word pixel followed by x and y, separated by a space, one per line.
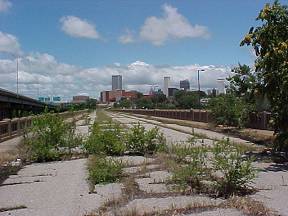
pixel 42 74
pixel 170 26
pixel 9 43
pixel 79 28
pixel 127 37
pixel 5 5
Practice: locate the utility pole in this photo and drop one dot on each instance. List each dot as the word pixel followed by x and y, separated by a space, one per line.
pixel 17 76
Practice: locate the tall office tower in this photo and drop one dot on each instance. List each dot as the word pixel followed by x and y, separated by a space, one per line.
pixel 185 85
pixel 221 86
pixel 166 86
pixel 116 82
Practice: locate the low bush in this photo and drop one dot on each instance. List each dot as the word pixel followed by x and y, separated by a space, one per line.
pixel 230 110
pixel 195 171
pixel 222 170
pixel 237 171
pixel 106 139
pixel 48 133
pixel 139 140
pixel 104 170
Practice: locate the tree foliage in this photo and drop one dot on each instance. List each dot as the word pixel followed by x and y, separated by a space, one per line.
pixel 243 82
pixel 188 100
pixel 229 110
pixel 270 42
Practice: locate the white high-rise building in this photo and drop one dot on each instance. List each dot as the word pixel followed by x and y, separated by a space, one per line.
pixel 221 86
pixel 116 82
pixel 166 85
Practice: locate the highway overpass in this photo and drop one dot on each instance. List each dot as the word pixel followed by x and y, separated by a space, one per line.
pixel 11 103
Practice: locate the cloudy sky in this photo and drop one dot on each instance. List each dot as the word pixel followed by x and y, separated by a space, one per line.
pixel 69 47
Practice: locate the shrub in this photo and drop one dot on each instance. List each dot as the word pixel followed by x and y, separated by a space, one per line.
pixel 48 133
pixel 104 170
pixel 237 170
pixel 138 140
pixel 105 139
pixel 229 110
pixel 195 171
pixel 226 171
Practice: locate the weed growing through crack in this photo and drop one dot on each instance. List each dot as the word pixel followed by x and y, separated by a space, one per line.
pixel 48 135
pixel 104 170
pixel 237 170
pixel 222 170
pixel 106 139
pixel 141 141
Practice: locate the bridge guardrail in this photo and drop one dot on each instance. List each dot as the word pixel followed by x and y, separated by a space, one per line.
pixel 10 128
pixel 259 120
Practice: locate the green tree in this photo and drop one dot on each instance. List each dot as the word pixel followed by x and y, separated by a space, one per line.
pixel 229 110
pixel 270 42
pixel 188 100
pixel 158 99
pixel 143 103
pixel 243 82
pixel 123 103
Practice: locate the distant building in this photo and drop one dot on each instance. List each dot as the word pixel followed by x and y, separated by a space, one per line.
pixel 80 99
pixel 172 91
pixel 116 82
pixel 130 95
pixel 215 92
pixel 221 86
pixel 104 96
pixel 116 95
pixel 185 85
pixel 166 86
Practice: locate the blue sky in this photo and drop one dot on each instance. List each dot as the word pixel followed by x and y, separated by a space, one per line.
pixel 38 28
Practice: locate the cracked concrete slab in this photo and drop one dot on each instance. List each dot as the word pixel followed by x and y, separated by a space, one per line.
pixel 65 192
pixel 218 212
pixel 149 205
pixel 133 160
pixel 109 191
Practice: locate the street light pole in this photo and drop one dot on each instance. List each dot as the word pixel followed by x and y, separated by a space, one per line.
pixel 17 82
pixel 199 86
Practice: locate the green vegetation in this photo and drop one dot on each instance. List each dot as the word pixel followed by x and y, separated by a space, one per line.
pixel 108 138
pixel 195 169
pixel 270 42
pixel 104 170
pixel 230 110
pixel 89 104
pixel 181 99
pixel 138 140
pixel 105 139
pixel 237 171
pixel 112 139
pixel 49 133
pixel 102 117
pixel 187 100
pixel 221 170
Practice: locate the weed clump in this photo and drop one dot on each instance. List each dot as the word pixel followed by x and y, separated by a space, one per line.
pixel 194 167
pixel 237 170
pixel 105 139
pixel 222 170
pixel 139 140
pixel 47 135
pixel 104 170
pixel 111 139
